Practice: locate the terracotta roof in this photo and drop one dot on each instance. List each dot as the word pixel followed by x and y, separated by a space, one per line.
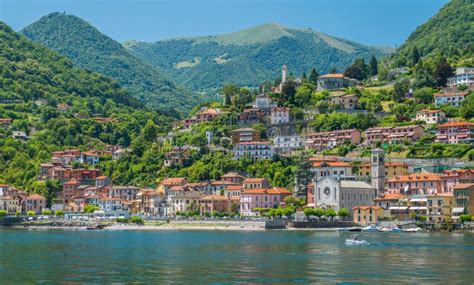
pixel 231 175
pixel 367 207
pixel 280 109
pixel 254 180
pixel 210 111
pixel 462 186
pixel 177 188
pixel 271 191
pixel 456 124
pixel 233 187
pixel 440 195
pixel 222 182
pixel 390 196
pixel 332 164
pixel 35 197
pixel 173 181
pixel 101 177
pixel 72 182
pixel 215 197
pixel 332 75
pixel 451 94
pixel 416 177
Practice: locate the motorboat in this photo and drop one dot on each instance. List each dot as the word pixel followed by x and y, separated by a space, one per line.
pixel 395 230
pixel 384 230
pixel 355 241
pixel 370 228
pixel 412 230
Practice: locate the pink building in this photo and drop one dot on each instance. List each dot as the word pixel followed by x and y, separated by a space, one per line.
pixel 454 177
pixel 416 183
pixel 393 134
pixel 456 132
pixel 261 198
pixel 330 139
pixel 35 203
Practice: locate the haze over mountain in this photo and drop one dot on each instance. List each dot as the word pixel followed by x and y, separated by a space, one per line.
pixel 449 33
pixel 250 56
pixel 90 49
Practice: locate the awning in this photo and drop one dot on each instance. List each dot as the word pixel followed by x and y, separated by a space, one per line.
pixel 418 200
pixel 418 208
pixel 398 208
pixel 458 210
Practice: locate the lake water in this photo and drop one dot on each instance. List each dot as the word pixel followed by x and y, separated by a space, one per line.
pixel 217 257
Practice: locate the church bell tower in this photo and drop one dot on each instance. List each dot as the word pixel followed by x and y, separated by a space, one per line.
pixel 378 170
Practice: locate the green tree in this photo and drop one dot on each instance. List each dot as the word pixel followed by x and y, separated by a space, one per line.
pixel 343 213
pixel 30 213
pixel 330 213
pixel 150 131
pixel 313 76
pixel 415 56
pixel 91 208
pixel 46 212
pixel 137 220
pixel 288 92
pixel 59 213
pixel 359 70
pixel 465 218
pixel 400 88
pixel 442 72
pixel 423 95
pixel 467 107
pixel 294 202
pixel 3 213
pixel 373 66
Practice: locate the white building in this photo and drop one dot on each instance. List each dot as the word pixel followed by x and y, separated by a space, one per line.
pixel 463 76
pixel 335 169
pixel 280 115
pixel 431 116
pixel 335 194
pixel 452 98
pixel 286 144
pixel 254 150
pixel 110 204
pixel 262 101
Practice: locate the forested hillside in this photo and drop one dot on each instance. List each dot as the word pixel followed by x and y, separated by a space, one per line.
pixel 92 50
pixel 450 34
pixel 249 57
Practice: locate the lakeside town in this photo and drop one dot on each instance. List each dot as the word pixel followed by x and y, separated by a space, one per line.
pixel 343 175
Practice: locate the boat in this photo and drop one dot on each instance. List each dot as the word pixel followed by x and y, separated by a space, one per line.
pixel 370 228
pixel 96 227
pixel 385 230
pixel 355 241
pixel 395 230
pixel 355 229
pixel 412 230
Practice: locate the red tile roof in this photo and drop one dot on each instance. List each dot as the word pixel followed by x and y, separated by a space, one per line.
pixel 173 181
pixel 456 124
pixel 416 177
pixel 270 191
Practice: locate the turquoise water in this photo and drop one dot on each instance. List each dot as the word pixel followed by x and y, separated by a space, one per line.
pixel 216 257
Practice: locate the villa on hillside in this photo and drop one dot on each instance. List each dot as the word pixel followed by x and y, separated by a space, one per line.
pixel 393 134
pixel 431 116
pixel 322 140
pixel 253 150
pixel 345 101
pixel 334 81
pixel 464 76
pixel 455 132
pixel 451 98
pixel 244 135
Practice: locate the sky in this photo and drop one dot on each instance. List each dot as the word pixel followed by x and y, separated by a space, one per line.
pixel 370 22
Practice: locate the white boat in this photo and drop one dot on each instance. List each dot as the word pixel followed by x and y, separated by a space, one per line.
pixel 370 228
pixel 412 230
pixel 395 230
pixel 352 241
pixel 384 230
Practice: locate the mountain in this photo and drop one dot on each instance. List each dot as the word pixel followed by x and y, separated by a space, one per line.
pixel 449 33
pixel 90 49
pixel 30 71
pixel 250 56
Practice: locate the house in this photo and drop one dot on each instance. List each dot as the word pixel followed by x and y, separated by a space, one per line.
pixel 118 154
pixel 62 107
pixel 250 116
pixel 218 187
pixel 393 135
pixel 215 203
pixel 109 204
pixel 455 132
pixel 367 215
pixel 280 115
pixel 175 157
pixel 333 81
pixel 430 116
pixel 254 150
pixel 322 140
pixel 208 114
pixel 233 177
pixel 151 203
pixel 67 157
pixel 69 190
pixel 345 101
pixel 263 102
pixel 337 169
pixel 5 122
pixel 90 157
pixel 392 169
pixel 188 201
pixel 167 183
pixel 102 181
pixel 464 76
pixel 35 203
pixel 17 135
pixel 10 204
pixel 255 183
pixel 452 98
pixel 287 144
pixel 334 193
pixel 417 183
pixel 463 199
pixel 261 198
pixel 453 177
pixel 439 207
pixel 127 193
pixel 244 135
pixel 233 191
pixel 389 200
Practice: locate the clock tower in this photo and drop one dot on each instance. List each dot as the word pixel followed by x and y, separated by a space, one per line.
pixel 378 170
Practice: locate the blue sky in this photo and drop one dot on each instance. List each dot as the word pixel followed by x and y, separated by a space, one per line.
pixel 372 22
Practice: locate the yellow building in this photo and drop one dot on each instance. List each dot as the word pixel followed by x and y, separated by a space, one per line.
pixel 439 207
pixel 367 215
pixel 392 169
